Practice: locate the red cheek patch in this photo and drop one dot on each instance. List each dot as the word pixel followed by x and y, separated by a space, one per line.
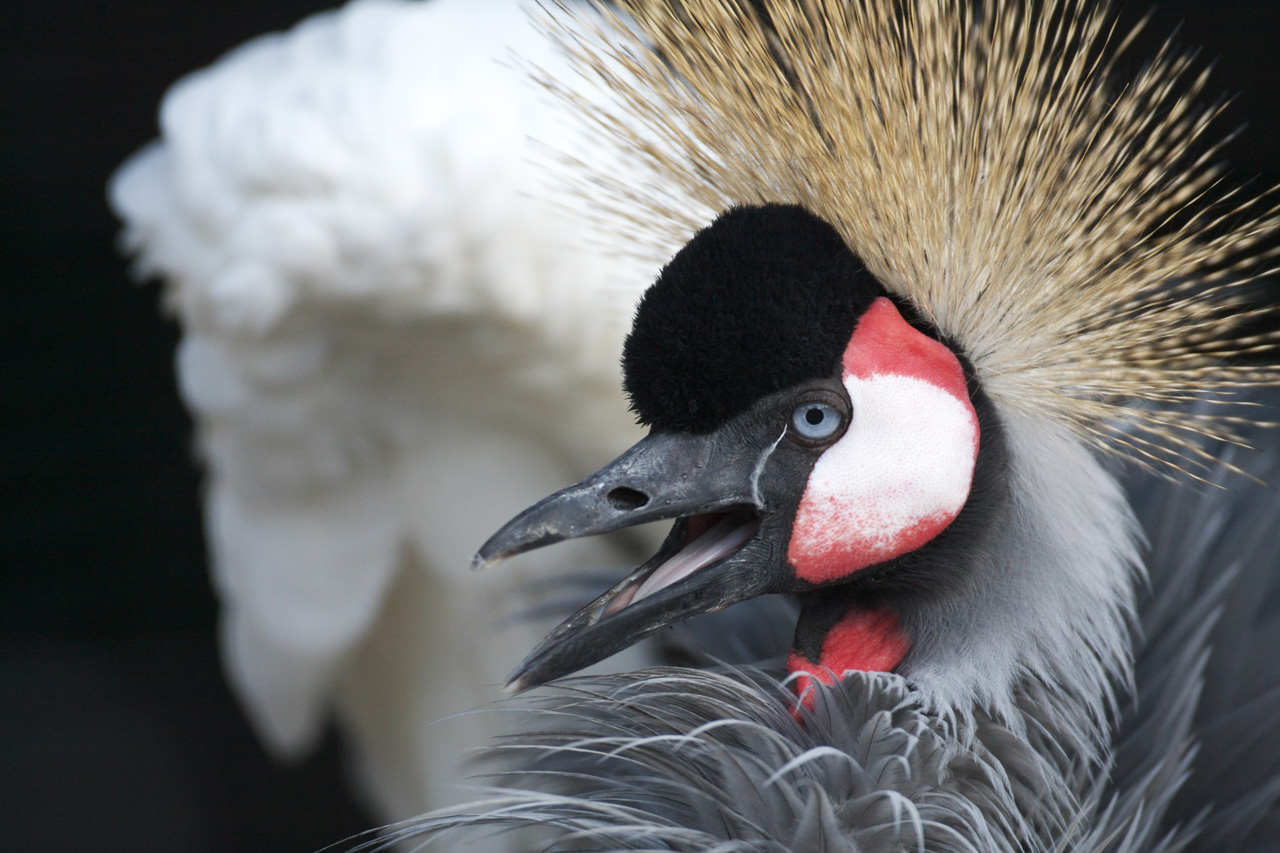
pixel 866 640
pixel 902 471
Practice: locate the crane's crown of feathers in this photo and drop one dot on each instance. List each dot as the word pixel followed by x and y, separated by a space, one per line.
pixel 1068 229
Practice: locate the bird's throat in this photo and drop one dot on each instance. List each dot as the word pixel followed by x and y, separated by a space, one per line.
pixel 870 640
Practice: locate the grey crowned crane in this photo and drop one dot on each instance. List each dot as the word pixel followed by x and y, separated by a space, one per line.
pixel 941 271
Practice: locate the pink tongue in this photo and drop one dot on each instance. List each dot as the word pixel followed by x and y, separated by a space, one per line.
pixel 719 541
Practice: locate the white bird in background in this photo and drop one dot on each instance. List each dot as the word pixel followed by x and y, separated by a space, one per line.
pixel 395 335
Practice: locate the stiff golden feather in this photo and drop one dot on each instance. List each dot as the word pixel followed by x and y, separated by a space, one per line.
pixel 1069 233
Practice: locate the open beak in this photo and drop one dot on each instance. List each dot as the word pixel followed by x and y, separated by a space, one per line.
pixel 706 563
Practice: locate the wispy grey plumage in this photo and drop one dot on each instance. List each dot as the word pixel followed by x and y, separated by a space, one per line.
pixel 1207 673
pixel 683 759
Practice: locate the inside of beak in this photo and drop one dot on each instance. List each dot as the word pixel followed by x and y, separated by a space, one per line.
pixel 687 576
pixel 707 485
pixel 699 541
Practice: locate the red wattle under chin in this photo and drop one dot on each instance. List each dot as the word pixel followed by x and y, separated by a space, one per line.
pixel 865 640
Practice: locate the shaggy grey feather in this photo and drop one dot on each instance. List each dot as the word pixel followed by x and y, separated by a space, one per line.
pixel 1217 551
pixel 682 759
pixel 1196 753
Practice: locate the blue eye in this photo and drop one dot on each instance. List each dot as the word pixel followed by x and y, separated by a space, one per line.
pixel 815 421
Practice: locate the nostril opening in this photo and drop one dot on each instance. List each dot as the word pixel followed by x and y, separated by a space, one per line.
pixel 624 498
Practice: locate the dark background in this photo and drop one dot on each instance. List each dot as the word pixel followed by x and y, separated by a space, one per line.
pixel 116 730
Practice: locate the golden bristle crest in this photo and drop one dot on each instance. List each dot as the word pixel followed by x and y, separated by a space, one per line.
pixel 1069 233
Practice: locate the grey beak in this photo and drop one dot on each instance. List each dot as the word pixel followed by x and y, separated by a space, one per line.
pixel 661 476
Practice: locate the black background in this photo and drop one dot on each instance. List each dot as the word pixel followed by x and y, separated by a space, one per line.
pixel 116 731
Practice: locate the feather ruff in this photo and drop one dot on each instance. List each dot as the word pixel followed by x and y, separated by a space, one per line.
pixel 1070 233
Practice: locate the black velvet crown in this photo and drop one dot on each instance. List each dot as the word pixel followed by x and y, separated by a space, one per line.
pixel 758 301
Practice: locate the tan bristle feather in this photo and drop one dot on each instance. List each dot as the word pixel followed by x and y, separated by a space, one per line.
pixel 1069 233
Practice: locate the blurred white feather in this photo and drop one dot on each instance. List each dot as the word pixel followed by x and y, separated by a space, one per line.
pixel 395 336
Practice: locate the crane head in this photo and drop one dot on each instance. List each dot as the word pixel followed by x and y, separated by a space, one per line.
pixel 808 435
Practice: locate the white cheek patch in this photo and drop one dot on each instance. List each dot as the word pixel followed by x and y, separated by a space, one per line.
pixel 898 476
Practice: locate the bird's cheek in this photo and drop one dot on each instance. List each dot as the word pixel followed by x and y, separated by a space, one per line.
pixel 894 481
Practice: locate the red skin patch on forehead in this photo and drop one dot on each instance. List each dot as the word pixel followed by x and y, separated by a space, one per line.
pixel 883 343
pixel 866 640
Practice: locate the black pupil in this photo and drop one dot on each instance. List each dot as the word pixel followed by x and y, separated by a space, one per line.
pixel 814 416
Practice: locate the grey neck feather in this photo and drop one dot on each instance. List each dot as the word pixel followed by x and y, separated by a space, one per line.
pixel 1045 602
